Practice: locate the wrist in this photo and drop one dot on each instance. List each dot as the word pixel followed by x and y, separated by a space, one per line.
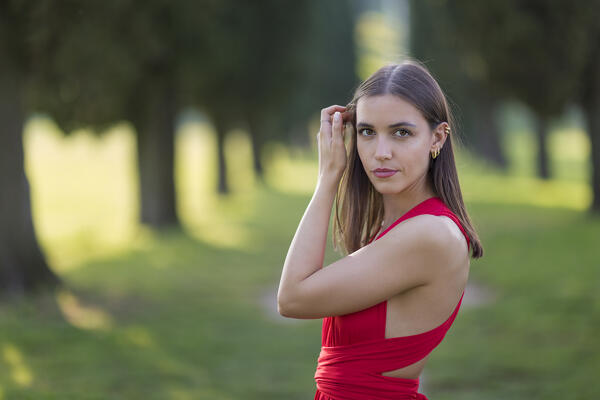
pixel 328 184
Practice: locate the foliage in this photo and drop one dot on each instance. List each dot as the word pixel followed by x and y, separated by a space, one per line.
pixel 182 316
pixel 534 51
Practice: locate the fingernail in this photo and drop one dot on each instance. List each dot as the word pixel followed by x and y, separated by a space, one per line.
pixel 336 116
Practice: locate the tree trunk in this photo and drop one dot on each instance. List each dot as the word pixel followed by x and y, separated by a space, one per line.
pixel 23 268
pixel 256 130
pixel 221 128
pixel 488 134
pixel 155 147
pixel 256 157
pixel 593 123
pixel 542 159
pixel 591 107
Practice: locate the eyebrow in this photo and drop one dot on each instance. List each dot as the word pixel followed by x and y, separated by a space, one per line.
pixel 402 123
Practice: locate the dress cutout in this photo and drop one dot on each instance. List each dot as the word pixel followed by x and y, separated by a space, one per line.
pixel 355 351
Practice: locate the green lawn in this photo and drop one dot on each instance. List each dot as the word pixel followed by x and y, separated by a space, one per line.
pixel 177 315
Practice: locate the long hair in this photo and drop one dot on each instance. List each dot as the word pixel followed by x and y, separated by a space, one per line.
pixel 358 206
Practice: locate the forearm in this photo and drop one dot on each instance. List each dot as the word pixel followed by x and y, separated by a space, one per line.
pixel 307 250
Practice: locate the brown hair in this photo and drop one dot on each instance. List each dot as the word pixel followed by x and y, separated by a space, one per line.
pixel 358 206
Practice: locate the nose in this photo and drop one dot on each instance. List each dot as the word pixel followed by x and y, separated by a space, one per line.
pixel 383 150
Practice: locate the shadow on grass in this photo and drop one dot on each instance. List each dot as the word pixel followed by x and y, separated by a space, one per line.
pixel 180 318
pixel 175 319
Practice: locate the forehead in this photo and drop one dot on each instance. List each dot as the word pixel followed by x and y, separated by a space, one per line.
pixel 386 109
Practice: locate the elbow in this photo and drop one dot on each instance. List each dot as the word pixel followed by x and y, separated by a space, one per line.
pixel 286 305
pixel 283 307
pixel 293 309
pixel 283 300
pixel 286 310
pixel 281 310
pixel 291 304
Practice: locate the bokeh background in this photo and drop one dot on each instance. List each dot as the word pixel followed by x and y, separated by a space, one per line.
pixel 156 158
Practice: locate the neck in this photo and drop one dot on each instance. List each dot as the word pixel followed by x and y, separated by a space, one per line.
pixel 397 204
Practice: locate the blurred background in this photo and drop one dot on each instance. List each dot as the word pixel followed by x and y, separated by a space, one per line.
pixel 156 158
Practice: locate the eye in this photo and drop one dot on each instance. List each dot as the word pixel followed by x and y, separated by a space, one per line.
pixel 407 133
pixel 363 130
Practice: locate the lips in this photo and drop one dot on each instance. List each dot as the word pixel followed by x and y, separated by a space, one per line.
pixel 384 172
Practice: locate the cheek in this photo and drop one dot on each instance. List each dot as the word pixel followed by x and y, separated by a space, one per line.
pixel 360 151
pixel 416 161
pixel 419 152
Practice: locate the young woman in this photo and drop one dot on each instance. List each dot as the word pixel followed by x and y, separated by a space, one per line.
pixel 401 219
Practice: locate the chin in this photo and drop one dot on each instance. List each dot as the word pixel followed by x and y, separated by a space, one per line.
pixel 390 191
pixel 388 187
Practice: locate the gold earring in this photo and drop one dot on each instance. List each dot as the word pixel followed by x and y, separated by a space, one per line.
pixel 435 153
pixel 447 130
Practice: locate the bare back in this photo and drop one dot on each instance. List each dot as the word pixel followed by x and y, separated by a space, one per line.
pixel 425 307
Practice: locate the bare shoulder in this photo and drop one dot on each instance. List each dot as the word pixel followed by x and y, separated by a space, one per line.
pixel 437 234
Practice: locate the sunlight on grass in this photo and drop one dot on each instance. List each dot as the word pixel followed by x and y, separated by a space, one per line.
pixel 291 175
pixel 568 147
pixel 80 316
pixel 570 144
pixel 483 184
pixel 175 318
pixel 183 394
pixel 571 150
pixel 195 162
pixel 139 336
pixel 479 182
pixel 20 372
pixel 84 187
pixel 214 220
pixel 83 191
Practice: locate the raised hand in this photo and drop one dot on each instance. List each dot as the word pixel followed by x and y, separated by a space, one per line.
pixel 332 151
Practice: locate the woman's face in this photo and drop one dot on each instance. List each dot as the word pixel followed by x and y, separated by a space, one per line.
pixel 393 134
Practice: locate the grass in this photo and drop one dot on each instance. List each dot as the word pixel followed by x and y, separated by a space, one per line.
pixel 176 315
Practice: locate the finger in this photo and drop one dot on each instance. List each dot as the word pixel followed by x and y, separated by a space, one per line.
pixel 327 113
pixel 327 119
pixel 336 134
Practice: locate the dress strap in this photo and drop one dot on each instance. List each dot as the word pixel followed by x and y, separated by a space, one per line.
pixel 433 206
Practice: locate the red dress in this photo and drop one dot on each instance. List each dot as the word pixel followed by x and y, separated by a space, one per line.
pixel 354 350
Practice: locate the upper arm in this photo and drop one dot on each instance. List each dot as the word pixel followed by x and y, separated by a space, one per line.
pixel 407 256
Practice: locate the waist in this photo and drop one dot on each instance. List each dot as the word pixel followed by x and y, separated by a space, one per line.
pixel 348 383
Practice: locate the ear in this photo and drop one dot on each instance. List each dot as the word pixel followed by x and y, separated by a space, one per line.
pixel 440 134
